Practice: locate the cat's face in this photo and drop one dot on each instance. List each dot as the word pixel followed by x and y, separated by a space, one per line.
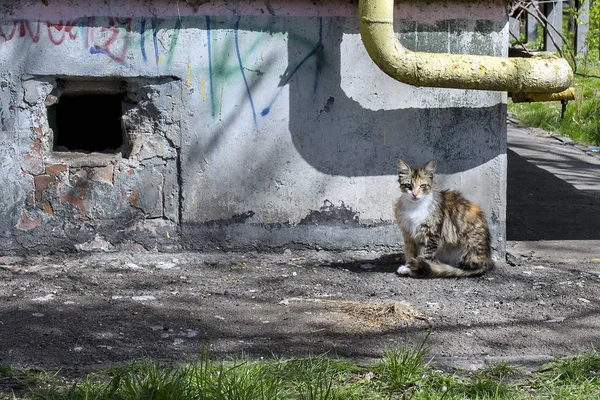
pixel 415 184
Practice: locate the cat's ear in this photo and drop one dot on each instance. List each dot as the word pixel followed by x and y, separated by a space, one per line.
pixel 429 167
pixel 404 168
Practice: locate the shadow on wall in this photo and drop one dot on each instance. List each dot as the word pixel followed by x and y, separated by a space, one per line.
pixel 338 136
pixel 333 132
pixel 542 206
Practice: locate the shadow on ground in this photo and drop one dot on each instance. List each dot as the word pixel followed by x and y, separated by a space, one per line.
pixel 387 263
pixel 542 206
pixel 81 312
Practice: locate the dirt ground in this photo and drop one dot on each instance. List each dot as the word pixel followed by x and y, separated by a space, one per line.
pixel 81 311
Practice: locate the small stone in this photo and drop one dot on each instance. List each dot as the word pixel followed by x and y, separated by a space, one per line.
pixel 143 298
pixel 99 243
pixel 47 297
pixel 165 265
pixel 133 266
pixel 37 315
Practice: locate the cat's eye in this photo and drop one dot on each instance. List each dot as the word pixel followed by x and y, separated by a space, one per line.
pixel 424 186
pixel 407 186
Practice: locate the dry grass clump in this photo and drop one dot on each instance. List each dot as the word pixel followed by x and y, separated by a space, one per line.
pixel 374 316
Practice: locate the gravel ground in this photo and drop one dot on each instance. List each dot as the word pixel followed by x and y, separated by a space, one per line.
pixel 78 312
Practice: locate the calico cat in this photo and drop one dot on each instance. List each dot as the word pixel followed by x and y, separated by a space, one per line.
pixel 445 235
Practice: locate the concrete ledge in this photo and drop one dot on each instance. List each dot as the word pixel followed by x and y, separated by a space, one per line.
pixel 210 237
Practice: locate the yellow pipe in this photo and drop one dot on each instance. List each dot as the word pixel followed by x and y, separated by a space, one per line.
pixel 565 95
pixel 538 74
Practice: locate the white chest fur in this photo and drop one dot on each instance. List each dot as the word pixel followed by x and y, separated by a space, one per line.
pixel 411 214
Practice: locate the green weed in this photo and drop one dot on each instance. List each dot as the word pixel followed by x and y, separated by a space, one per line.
pixel 582 117
pixel 402 373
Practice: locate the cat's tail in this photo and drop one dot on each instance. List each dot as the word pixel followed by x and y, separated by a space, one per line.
pixel 420 268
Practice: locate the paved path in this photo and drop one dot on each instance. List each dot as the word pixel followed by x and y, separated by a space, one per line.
pixel 553 197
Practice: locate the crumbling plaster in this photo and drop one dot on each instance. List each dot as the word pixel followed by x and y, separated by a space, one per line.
pixel 258 125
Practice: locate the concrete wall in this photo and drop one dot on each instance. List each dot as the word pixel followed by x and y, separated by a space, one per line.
pixel 252 125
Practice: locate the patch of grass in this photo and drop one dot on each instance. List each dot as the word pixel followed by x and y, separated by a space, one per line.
pixel 405 367
pixel 482 385
pixel 402 373
pixel 572 378
pixel 582 118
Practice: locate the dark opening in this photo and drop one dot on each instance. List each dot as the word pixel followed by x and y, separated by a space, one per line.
pixel 87 123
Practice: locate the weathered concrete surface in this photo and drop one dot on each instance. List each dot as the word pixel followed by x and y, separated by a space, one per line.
pixel 77 312
pixel 80 312
pixel 553 197
pixel 348 123
pixel 249 125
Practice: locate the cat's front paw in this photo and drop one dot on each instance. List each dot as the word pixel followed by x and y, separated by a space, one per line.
pixel 412 265
pixel 417 267
pixel 403 270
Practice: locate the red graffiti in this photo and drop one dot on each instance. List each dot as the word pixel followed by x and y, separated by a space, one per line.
pixel 57 33
pixel 107 35
pixel 112 40
pixel 24 29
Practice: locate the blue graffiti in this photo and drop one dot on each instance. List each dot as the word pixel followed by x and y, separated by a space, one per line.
pixel 98 50
pixel 316 51
pixel 210 70
pixel 154 40
pixel 143 40
pixel 319 50
pixel 267 109
pixel 239 57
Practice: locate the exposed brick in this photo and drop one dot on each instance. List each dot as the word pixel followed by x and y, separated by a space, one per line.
pixel 104 174
pixel 48 208
pixel 56 169
pixel 36 145
pixel 41 183
pixel 72 198
pixel 26 224
pixel 134 197
pixel 33 164
pixel 77 192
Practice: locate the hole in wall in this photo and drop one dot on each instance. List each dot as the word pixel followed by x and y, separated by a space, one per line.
pixel 87 118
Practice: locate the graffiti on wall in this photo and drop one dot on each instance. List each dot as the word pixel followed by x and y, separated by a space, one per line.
pixel 226 58
pixel 110 37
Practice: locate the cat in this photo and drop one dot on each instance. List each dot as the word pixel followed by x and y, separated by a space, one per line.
pixel 445 235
